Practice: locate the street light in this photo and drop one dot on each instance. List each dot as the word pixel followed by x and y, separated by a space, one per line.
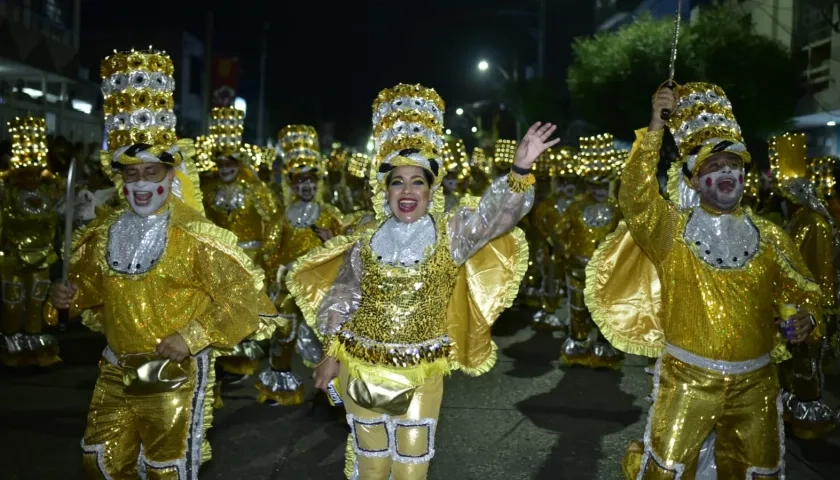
pixel 459 111
pixel 449 131
pixel 483 65
pixel 370 145
pixel 474 129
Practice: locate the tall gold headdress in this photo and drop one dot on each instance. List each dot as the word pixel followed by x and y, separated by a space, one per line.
pixel 821 173
pixel 407 130
pixel 139 115
pixel 359 165
pixel 789 167
pixel 29 143
pixel 563 162
pixel 300 149
pixel 702 124
pixel 227 125
pixel 504 152
pixel 597 159
pixel 455 159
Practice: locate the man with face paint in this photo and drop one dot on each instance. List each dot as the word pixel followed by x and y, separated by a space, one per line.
pixel 167 288
pixel 548 216
pixel 28 199
pixel 306 223
pixel 238 201
pixel 698 281
pixel 586 223
pixel 815 234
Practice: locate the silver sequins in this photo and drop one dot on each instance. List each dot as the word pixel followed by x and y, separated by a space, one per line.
pixel 598 215
pixel 722 241
pixel 136 243
pixel 303 214
pixel 404 244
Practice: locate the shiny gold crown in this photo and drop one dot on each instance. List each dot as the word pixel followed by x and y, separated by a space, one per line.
pixel 543 169
pixel 204 147
pixel 359 165
pixel 408 117
pixel 479 158
pixel 339 156
pixel 562 161
pixel 29 142
pixel 821 173
pixel 788 157
pixel 300 148
pixel 703 119
pixel 598 159
pixel 139 105
pixel 227 125
pixel 504 153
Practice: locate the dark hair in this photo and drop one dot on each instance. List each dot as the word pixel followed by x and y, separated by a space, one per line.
pixel 166 158
pixel 430 179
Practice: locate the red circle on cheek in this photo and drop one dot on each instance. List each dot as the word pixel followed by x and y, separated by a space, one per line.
pixel 125 190
pixel 708 181
pixel 160 190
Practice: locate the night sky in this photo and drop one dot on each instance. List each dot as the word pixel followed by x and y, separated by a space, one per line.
pixel 328 60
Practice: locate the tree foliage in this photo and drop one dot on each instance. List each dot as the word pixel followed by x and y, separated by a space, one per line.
pixel 614 74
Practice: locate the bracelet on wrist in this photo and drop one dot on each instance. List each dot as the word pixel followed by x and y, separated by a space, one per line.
pixel 519 184
pixel 520 170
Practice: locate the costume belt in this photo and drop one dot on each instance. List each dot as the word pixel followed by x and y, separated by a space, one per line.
pixel 148 373
pixel 720 366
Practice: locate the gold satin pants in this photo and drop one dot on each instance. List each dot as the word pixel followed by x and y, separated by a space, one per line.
pixel 24 291
pixel 690 402
pixel 385 447
pixel 158 436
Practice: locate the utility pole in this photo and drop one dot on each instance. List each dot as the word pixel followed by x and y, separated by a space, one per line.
pixel 208 72
pixel 541 41
pixel 261 106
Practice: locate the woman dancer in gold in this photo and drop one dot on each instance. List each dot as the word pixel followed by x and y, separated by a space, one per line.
pixel 403 304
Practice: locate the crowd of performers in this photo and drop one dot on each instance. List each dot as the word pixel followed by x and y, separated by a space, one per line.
pixel 385 272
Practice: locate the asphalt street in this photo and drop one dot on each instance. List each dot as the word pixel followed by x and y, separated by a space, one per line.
pixel 526 419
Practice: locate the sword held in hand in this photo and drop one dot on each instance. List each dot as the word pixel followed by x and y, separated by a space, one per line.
pixel 69 216
pixel 665 114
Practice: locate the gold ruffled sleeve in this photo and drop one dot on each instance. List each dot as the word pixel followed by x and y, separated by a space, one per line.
pixel 229 278
pixel 623 289
pixel 489 278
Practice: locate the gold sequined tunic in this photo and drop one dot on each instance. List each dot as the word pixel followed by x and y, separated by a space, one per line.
pixel 244 206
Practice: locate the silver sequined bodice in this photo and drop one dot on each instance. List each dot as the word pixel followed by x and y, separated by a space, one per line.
pixel 136 244
pixel 303 214
pixel 404 244
pixel 598 215
pixel 722 241
pixel 230 197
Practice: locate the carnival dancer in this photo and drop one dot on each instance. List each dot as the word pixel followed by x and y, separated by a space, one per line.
pixel 237 200
pixel 586 223
pixel 698 283
pixel 813 231
pixel 30 194
pixel 339 193
pixel 306 223
pixel 400 306
pixel 165 286
pixel 548 216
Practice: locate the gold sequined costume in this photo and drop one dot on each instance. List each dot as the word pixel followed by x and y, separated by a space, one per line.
pixel 584 225
pixel 359 167
pixel 548 222
pixel 237 200
pixel 403 304
pixel 291 235
pixel 814 233
pixel 29 222
pixel 700 290
pixel 143 278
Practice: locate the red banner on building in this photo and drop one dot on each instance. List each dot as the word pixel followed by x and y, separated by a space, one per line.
pixel 224 81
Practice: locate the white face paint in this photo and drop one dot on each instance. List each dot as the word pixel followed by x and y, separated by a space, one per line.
pixel 722 189
pixel 228 174
pixel 146 198
pixel 567 189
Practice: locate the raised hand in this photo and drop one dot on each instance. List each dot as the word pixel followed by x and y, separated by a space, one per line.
pixel 533 144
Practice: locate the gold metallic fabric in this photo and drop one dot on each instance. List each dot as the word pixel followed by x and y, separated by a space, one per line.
pixel 161 434
pixel 247 223
pixel 204 287
pixel 147 373
pixel 284 243
pixel 814 238
pixel 388 392
pixel 393 446
pixel 582 239
pixel 723 314
pixel 742 409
